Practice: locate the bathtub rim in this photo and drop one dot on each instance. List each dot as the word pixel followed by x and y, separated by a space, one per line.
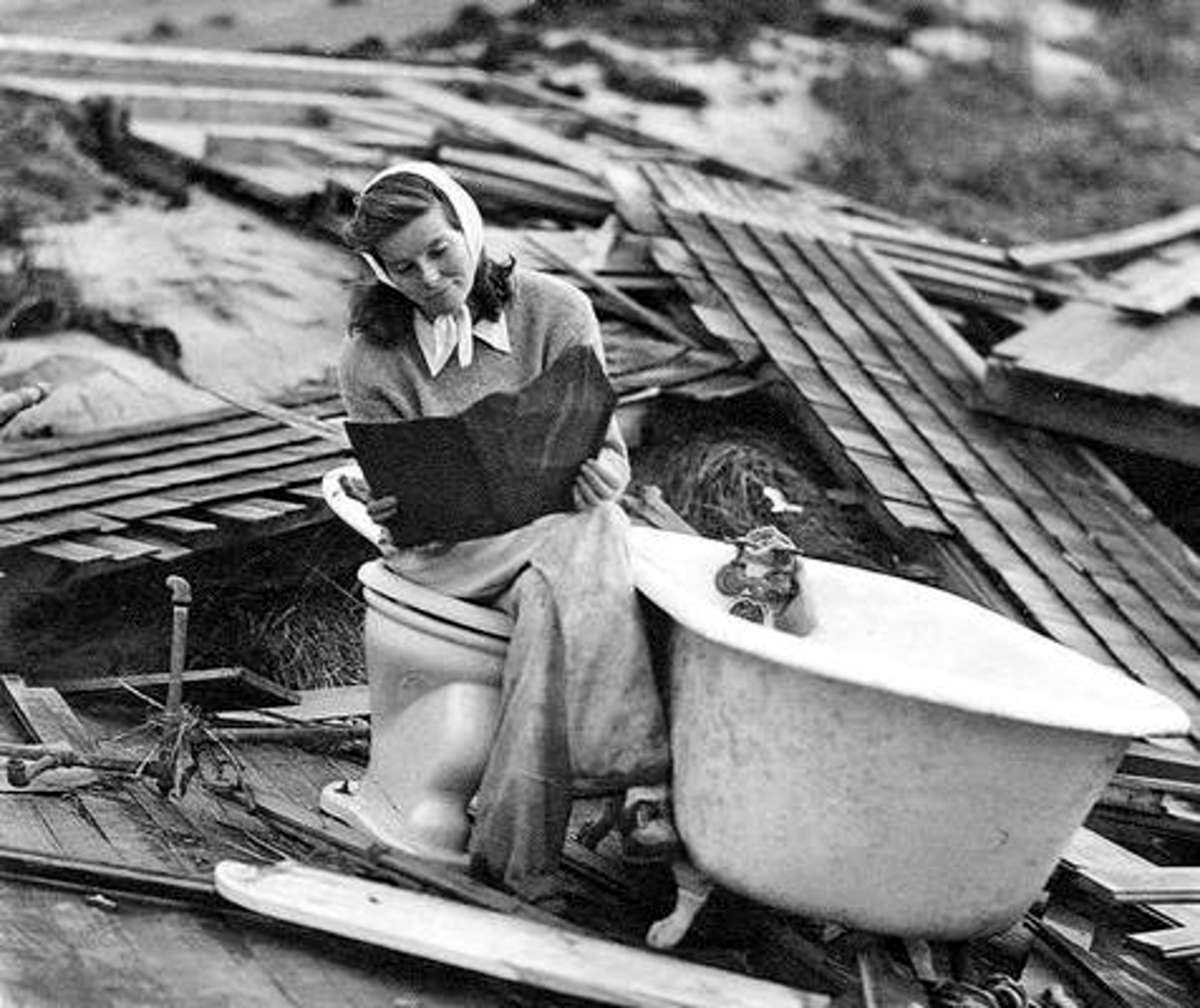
pixel 1115 705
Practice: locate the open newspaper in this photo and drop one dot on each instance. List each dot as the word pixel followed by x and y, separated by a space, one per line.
pixel 505 460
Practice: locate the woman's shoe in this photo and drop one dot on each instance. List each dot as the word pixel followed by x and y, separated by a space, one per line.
pixel 647 831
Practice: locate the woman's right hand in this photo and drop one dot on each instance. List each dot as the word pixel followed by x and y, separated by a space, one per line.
pixel 379 509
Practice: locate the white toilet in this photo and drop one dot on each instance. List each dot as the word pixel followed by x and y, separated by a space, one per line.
pixel 433 668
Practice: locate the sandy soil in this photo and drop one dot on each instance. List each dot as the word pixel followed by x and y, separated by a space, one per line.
pixel 760 113
pixel 257 310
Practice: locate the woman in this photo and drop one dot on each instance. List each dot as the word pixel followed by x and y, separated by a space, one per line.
pixel 441 327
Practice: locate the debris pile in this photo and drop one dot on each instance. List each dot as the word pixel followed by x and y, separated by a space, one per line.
pixel 855 330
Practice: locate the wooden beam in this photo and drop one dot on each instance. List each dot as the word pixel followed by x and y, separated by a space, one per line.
pixel 312 706
pixel 1110 243
pixel 44 714
pixel 208 688
pixel 970 361
pixel 1146 424
pixel 1093 858
pixel 623 303
pixel 225 67
pixel 483 941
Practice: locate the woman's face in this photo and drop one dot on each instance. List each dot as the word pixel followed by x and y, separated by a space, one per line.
pixel 427 260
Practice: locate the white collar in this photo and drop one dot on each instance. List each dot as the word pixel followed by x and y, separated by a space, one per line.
pixel 440 338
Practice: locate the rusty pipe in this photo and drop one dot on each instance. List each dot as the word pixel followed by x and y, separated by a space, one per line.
pixel 181 598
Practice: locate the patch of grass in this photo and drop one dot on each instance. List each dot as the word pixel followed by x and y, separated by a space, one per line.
pixel 1153 44
pixel 713 462
pixel 716 25
pixel 35 299
pixel 287 608
pixel 46 172
pixel 973 151
pixel 163 28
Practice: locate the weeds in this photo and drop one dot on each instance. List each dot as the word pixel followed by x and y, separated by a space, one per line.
pixel 717 26
pixel 712 466
pixel 973 151
pixel 46 173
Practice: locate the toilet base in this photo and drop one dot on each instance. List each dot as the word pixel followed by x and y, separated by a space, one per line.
pixel 363 806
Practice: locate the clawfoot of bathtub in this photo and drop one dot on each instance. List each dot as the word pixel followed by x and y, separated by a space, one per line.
pixel 692 889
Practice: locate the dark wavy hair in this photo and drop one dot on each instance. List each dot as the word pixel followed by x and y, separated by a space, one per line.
pixel 382 315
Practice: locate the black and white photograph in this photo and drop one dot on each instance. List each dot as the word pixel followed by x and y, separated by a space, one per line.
pixel 553 503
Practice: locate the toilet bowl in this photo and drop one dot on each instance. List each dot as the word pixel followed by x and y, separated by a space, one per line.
pixel 433 671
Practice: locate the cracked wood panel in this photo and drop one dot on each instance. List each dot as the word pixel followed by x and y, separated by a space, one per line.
pixel 1022 491
pixel 714 278
pixel 783 323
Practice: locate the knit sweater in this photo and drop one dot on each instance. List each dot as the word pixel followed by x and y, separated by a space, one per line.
pixel 545 316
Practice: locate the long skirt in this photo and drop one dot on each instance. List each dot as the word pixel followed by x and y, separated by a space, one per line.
pixel 580 710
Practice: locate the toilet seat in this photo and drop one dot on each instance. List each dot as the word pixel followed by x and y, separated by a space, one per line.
pixel 376 576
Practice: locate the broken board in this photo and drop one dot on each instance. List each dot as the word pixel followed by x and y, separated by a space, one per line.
pixel 216 688
pixel 495 944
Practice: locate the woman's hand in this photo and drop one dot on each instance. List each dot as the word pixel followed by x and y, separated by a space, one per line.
pixel 380 510
pixel 599 480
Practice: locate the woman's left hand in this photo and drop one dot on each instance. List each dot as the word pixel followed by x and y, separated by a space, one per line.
pixel 598 481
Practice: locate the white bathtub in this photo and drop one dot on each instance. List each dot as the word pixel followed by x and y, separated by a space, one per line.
pixel 914 766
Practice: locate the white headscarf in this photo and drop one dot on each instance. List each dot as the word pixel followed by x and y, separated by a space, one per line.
pixel 456 330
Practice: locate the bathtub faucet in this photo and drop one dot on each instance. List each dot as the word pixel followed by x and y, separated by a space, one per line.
pixel 766 580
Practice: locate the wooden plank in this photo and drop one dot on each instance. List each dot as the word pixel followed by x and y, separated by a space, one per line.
pixel 205 463
pixel 122 548
pixel 78 478
pixel 181 525
pixel 1145 425
pixel 312 705
pixel 1162 283
pixel 1140 236
pixel 74 553
pixel 900 416
pixel 551 178
pixel 628 307
pixel 44 714
pixel 209 104
pixel 932 329
pixel 312 492
pixel 244 512
pixel 924 238
pixel 60 951
pixel 1090 855
pixel 987 492
pixel 537 142
pixel 973 289
pixel 57 454
pixel 232 687
pixel 284 145
pixel 176 65
pixel 494 944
